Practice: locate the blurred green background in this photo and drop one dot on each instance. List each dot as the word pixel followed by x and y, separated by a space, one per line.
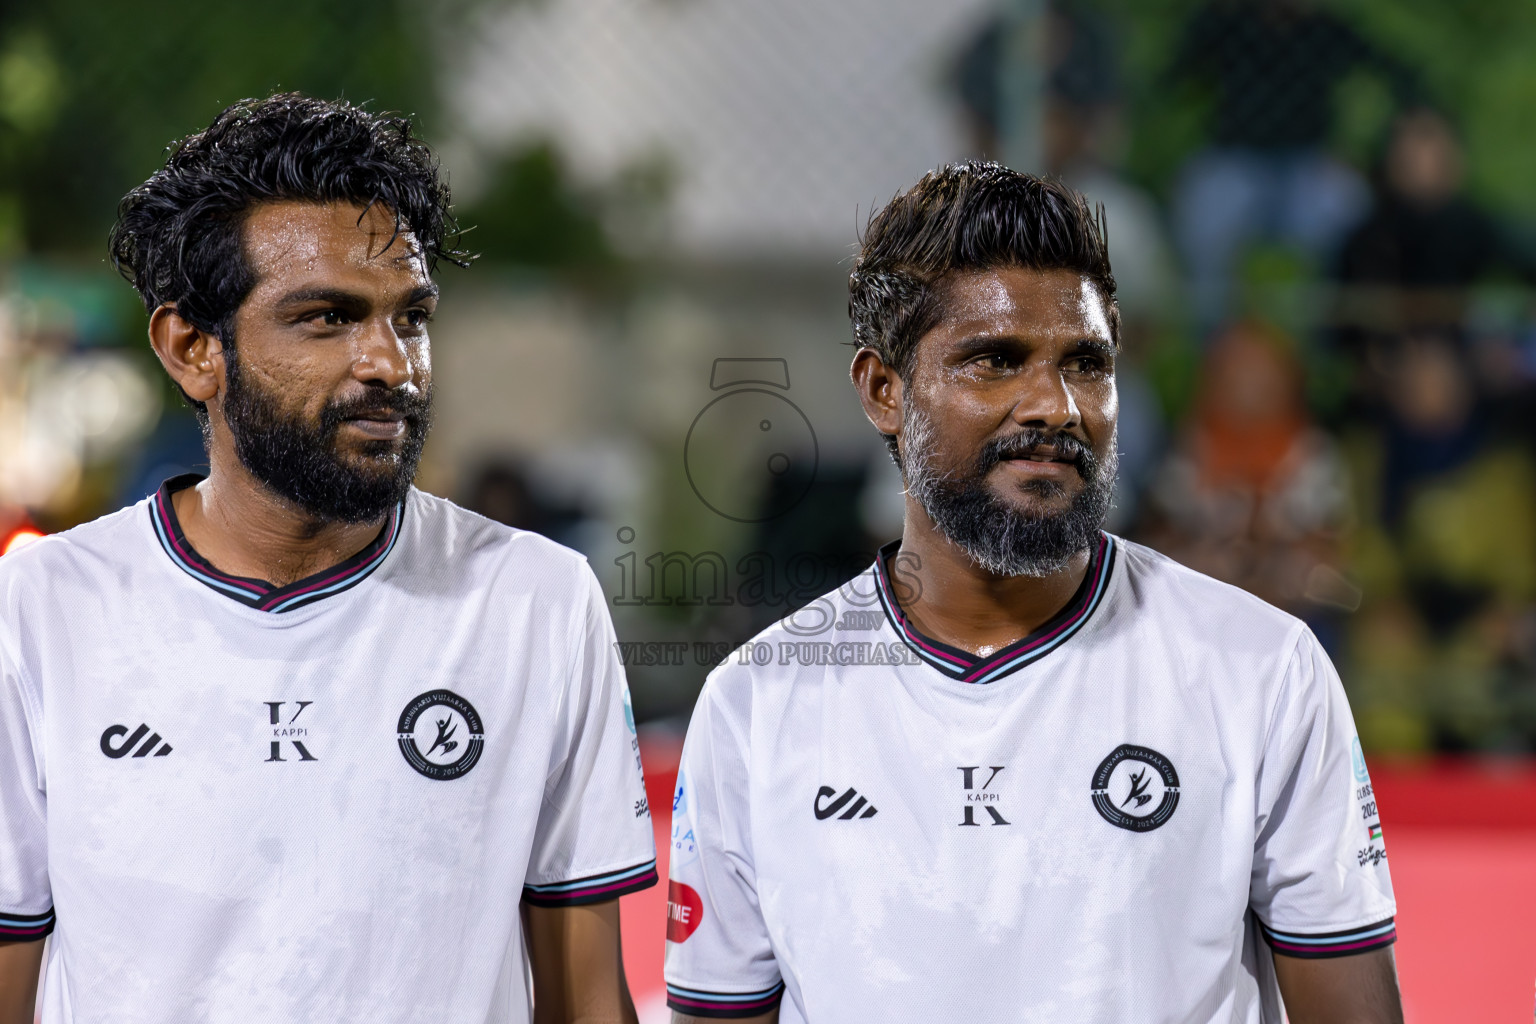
pixel 661 185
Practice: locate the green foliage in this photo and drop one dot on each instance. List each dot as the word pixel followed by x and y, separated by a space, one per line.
pixel 533 216
pixel 1473 57
pixel 92 91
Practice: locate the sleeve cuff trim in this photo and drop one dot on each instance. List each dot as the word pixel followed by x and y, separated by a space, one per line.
pixel 25 927
pixel 1317 945
pixel 701 1003
pixel 594 888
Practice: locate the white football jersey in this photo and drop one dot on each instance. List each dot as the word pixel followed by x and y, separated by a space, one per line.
pixel 318 802
pixel 1112 820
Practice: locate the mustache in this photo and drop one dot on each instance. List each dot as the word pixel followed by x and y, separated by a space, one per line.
pixel 1029 442
pixel 410 405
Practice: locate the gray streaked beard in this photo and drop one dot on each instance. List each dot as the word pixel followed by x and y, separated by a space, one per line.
pixel 997 537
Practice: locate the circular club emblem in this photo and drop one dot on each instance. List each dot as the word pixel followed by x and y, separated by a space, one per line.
pixel 1135 788
pixel 440 734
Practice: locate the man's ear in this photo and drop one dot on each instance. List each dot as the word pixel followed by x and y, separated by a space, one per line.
pixel 193 357
pixel 880 390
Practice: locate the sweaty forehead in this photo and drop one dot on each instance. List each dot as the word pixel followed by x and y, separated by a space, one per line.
pixel 290 238
pixel 1018 301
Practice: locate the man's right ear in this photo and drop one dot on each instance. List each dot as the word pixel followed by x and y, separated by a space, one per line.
pixel 193 357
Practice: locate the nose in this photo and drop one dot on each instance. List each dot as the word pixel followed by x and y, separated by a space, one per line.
pixel 1044 401
pixel 383 357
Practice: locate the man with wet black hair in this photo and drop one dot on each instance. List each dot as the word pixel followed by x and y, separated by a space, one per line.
pixel 1020 769
pixel 296 741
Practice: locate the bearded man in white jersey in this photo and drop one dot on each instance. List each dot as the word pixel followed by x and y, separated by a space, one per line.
pixel 1020 770
pixel 295 741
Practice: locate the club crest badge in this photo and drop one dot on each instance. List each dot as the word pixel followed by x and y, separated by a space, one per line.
pixel 441 735
pixel 1136 788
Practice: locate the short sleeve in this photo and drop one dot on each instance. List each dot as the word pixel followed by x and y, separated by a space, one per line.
pixel 26 901
pixel 594 840
pixel 1320 885
pixel 720 962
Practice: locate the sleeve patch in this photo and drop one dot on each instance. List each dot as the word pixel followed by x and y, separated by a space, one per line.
pixel 594 888
pixel 25 927
pixel 1319 945
pixel 700 1003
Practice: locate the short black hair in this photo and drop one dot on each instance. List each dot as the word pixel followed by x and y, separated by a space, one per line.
pixel 963 217
pixel 178 235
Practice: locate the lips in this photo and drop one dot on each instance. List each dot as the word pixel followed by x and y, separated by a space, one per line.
pixel 1042 455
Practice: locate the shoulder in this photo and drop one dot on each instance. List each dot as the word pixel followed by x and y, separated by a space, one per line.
pixel 782 656
pixel 62 556
pixel 459 541
pixel 1191 608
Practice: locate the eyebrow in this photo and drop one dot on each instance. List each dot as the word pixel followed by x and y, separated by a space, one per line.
pixel 340 297
pixel 1092 346
pixel 1082 346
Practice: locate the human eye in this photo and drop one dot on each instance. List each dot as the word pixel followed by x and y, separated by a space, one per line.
pixel 993 361
pixel 1087 363
pixel 416 319
pixel 332 317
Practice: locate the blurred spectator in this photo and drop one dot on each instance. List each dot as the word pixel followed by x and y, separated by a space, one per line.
pixel 1253 492
pixel 1441 654
pixel 1274 66
pixel 1410 262
pixel 501 490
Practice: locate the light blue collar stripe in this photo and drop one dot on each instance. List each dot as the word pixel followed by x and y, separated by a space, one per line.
pixel 894 621
pixel 189 569
pixel 1093 606
pixel 356 577
pixel 1334 940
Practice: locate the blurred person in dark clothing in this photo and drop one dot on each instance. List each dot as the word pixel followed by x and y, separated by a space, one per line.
pixel 1424 242
pixel 1274 66
pixel 1448 564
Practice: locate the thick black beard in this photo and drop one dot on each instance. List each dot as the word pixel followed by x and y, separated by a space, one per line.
pixel 299 461
pixel 998 537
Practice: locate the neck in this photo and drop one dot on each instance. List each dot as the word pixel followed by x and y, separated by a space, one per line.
pixel 953 600
pixel 239 525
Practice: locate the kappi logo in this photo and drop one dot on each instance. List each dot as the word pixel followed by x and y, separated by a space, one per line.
pixel 751 454
pixel 288 731
pixel 982 796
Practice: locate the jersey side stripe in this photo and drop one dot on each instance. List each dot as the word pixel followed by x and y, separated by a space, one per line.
pixel 702 1003
pixel 1318 945
pixel 593 888
pixel 26 927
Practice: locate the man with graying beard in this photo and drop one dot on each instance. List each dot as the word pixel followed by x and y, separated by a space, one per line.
pixel 297 742
pixel 1065 779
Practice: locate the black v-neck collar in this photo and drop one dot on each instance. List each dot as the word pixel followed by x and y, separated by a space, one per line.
pixel 967 667
pixel 259 594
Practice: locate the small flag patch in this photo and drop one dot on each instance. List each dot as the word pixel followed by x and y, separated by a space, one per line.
pixel 1374 830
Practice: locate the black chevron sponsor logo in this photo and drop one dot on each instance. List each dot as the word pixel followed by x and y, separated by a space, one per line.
pixel 111 746
pixel 850 799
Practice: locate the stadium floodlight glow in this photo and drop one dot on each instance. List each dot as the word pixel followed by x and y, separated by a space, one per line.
pixel 20 538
